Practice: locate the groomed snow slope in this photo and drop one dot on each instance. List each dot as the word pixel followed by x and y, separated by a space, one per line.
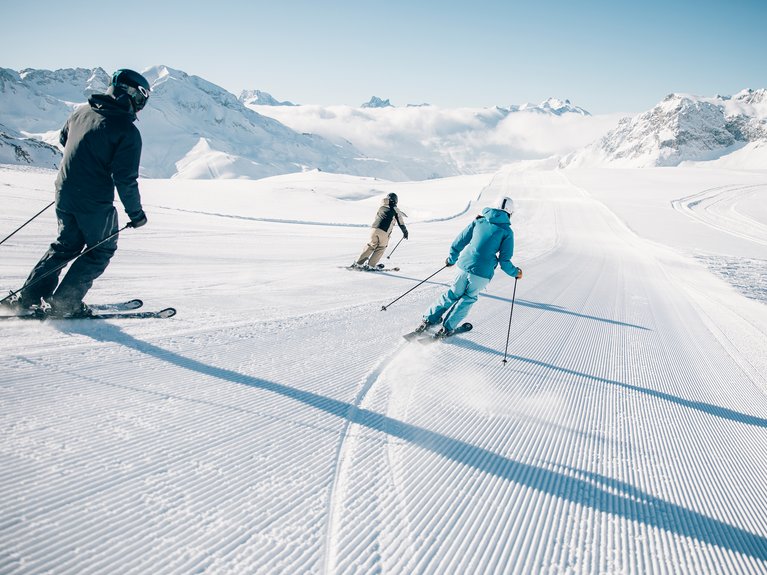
pixel 280 424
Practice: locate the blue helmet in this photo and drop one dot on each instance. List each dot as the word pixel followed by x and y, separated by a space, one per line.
pixel 131 84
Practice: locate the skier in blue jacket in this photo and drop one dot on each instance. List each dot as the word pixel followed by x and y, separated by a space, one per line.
pixel 485 243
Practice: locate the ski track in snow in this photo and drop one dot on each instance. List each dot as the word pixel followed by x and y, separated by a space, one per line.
pixel 312 223
pixel 718 207
pixel 622 436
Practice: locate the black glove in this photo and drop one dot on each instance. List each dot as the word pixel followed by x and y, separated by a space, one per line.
pixel 404 233
pixel 138 221
pixel 447 262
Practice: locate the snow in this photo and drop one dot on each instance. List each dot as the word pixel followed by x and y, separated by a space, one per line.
pixel 683 129
pixel 257 97
pixel 752 156
pixel 16 149
pixel 68 85
pixel 194 129
pixel 280 424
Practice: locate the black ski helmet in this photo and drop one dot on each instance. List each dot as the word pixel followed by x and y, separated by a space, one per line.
pixel 131 84
pixel 393 199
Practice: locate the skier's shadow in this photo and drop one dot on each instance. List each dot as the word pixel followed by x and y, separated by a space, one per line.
pixel 560 309
pixel 534 304
pixel 708 408
pixel 599 492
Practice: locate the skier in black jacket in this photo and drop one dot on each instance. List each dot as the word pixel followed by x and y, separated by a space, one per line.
pixel 102 150
pixel 382 226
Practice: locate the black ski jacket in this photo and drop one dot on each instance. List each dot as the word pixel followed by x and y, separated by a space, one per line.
pixel 385 218
pixel 102 150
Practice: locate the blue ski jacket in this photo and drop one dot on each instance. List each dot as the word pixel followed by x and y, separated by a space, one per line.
pixel 484 244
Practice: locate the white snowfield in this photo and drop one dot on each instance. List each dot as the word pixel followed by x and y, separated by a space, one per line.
pixel 280 424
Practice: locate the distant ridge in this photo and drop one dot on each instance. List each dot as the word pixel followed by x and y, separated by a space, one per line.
pixel 682 128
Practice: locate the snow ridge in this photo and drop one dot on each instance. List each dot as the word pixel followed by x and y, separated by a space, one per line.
pixel 259 98
pixel 16 149
pixel 194 129
pixel 680 128
pixel 553 106
pixel 376 102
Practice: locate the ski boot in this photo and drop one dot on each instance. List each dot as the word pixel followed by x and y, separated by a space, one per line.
pixel 423 327
pixel 13 303
pixel 80 311
pixel 443 333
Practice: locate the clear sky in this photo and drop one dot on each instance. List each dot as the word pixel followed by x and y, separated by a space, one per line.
pixel 604 55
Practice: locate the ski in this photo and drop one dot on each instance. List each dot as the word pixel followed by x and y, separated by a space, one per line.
pixel 417 335
pixel 40 316
pixel 162 314
pixel 432 338
pixel 120 306
pixel 378 268
pixel 22 315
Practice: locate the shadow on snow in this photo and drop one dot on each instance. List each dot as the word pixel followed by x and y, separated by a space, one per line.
pixel 531 304
pixel 593 490
pixel 708 408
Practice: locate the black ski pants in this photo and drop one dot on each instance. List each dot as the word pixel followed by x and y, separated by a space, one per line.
pixel 76 232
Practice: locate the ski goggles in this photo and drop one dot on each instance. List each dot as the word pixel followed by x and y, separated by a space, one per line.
pixel 138 94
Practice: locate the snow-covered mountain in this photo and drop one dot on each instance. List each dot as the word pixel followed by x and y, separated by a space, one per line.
pixel 195 129
pixel 26 107
pixel 259 98
pixel 16 149
pixel 192 128
pixel 683 128
pixel 553 106
pixel 69 85
pixel 34 104
pixel 376 102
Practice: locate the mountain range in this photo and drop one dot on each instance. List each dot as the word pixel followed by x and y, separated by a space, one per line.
pixel 553 106
pixel 684 128
pixel 195 129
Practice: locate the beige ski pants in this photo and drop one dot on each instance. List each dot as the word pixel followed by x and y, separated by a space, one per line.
pixel 379 239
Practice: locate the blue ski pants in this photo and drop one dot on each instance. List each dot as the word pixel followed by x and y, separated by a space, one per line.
pixel 456 302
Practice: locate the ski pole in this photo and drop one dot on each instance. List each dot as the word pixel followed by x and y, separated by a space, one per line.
pixel 25 223
pixel 384 307
pixel 54 270
pixel 395 247
pixel 511 314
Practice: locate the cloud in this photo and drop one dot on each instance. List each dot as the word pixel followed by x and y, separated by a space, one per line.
pixel 464 139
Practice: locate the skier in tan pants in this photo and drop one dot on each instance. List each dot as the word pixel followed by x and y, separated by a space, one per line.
pixel 382 226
